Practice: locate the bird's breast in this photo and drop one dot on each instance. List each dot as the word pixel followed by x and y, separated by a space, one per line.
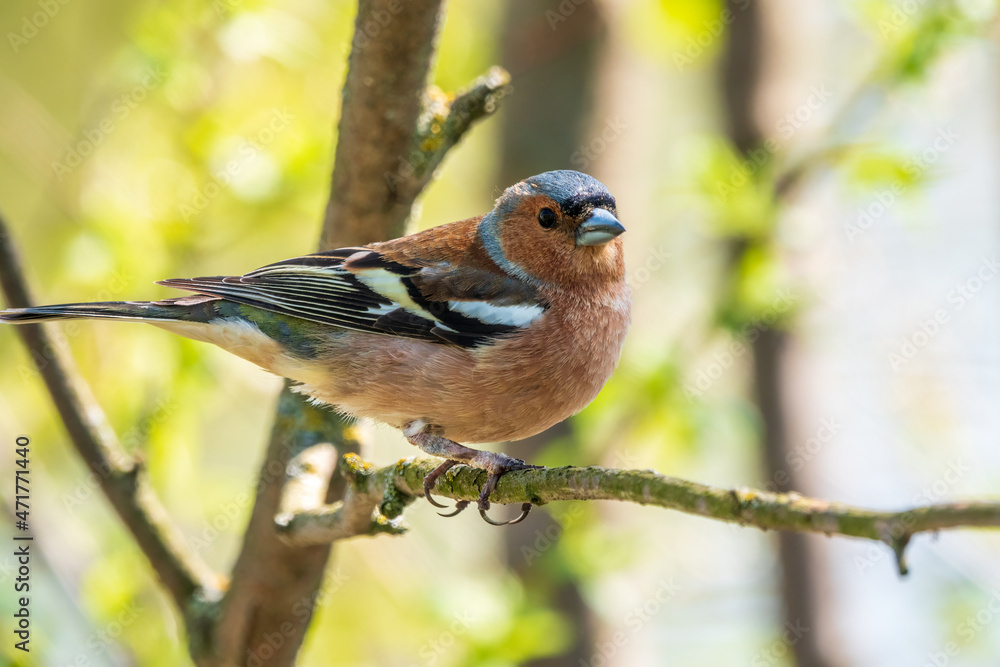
pixel 508 390
pixel 540 377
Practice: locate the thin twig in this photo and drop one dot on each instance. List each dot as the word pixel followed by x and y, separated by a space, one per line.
pixel 442 125
pixel 392 487
pixel 120 475
pixel 367 488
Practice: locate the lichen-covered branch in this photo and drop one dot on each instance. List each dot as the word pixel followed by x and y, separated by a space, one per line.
pixel 368 488
pixel 378 207
pixel 121 476
pixel 442 125
pixel 390 488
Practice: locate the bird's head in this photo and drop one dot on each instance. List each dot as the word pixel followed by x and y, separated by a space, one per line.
pixel 559 228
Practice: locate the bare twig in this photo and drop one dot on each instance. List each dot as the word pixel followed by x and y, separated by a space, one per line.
pixel 120 475
pixel 367 488
pixel 392 487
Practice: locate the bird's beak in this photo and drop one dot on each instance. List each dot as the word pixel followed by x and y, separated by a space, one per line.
pixel 599 228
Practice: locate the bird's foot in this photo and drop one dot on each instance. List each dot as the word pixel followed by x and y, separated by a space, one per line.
pixel 498 465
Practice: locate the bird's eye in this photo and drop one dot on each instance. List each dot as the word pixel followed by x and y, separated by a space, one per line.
pixel 547 218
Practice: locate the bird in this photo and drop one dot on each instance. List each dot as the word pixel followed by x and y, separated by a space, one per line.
pixel 484 330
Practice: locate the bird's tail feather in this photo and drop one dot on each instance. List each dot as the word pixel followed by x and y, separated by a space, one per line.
pixel 169 309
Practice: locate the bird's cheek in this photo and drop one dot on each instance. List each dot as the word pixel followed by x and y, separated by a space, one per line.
pixel 536 253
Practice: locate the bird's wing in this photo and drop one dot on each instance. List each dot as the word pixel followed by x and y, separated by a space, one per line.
pixel 362 290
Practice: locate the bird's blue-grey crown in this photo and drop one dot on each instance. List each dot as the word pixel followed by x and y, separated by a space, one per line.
pixel 575 192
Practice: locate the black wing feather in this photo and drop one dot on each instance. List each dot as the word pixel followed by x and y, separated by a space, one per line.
pixel 318 288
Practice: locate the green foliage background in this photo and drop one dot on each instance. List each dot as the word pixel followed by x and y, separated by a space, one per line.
pixel 144 140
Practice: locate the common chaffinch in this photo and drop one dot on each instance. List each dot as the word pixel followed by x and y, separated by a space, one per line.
pixel 483 330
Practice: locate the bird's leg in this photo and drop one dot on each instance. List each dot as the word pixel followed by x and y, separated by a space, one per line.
pixel 422 435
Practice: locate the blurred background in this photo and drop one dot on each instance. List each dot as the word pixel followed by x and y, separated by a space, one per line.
pixel 811 196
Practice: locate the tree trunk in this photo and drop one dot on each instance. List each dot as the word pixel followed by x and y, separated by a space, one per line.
pixel 554 71
pixel 741 78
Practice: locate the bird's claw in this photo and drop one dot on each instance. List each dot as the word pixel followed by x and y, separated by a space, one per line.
pixel 509 465
pixel 427 495
pixel 431 478
pixel 459 506
pixel 525 508
pixel 498 470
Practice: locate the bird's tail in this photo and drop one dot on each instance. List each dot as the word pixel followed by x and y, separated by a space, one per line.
pixel 139 311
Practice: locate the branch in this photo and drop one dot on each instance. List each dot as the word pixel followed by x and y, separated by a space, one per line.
pixel 390 488
pixel 392 132
pixel 120 475
pixel 368 488
pixel 383 96
pixel 274 586
pixel 442 125
pixel 383 125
